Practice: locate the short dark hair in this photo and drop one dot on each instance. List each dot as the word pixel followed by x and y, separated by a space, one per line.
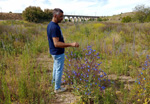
pixel 57 11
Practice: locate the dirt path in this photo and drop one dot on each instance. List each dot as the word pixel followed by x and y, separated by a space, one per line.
pixel 126 80
pixel 61 98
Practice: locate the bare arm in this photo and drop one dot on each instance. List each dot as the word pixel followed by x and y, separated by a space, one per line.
pixel 59 44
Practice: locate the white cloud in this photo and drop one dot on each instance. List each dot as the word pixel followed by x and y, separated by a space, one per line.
pixel 77 7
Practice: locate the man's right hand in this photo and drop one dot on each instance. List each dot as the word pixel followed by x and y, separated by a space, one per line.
pixel 75 44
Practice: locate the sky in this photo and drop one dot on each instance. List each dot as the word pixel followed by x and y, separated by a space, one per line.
pixel 76 7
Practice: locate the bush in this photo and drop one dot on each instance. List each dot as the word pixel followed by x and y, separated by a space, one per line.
pixel 99 19
pixel 48 14
pixel 91 19
pixel 142 13
pixel 84 74
pixel 147 18
pixel 33 14
pixel 66 20
pixel 126 19
pixel 105 19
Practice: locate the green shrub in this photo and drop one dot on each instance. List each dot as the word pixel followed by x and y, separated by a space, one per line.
pixel 126 19
pixel 48 14
pixel 66 20
pixel 33 14
pixel 105 19
pixel 99 19
pixel 91 19
pixel 147 18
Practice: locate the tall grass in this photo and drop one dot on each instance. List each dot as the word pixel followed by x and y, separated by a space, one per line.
pixel 22 79
pixel 121 48
pixel 113 40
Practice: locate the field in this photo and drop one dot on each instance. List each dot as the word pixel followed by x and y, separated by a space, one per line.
pixel 111 66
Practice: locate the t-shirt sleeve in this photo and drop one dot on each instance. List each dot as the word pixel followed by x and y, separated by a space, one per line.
pixel 55 32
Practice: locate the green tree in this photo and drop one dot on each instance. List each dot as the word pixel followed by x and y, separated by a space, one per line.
pixel 126 19
pixel 142 13
pixel 48 14
pixel 33 14
pixel 147 18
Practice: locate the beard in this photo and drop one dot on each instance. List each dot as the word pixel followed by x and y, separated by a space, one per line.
pixel 59 21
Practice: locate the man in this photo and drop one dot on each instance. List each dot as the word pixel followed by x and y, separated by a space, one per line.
pixel 56 46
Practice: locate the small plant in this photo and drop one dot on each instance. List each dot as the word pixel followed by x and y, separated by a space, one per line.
pixel 87 31
pixel 85 75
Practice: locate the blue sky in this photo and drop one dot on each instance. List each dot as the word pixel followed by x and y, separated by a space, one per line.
pixel 76 7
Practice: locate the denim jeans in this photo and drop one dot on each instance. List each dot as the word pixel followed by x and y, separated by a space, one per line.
pixel 58 69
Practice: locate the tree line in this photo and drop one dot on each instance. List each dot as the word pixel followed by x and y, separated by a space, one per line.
pixel 36 14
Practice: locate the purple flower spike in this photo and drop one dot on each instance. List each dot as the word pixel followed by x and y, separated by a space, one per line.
pixel 103 87
pixel 101 76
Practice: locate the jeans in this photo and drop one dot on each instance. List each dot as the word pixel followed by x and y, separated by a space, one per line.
pixel 58 69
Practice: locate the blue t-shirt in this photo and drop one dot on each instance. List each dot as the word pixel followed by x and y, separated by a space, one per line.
pixel 53 30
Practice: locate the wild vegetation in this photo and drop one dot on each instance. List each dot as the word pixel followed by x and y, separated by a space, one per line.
pixel 22 79
pixel 119 49
pixel 97 71
pixel 36 14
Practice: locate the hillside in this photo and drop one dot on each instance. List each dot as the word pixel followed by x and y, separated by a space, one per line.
pixel 120 16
